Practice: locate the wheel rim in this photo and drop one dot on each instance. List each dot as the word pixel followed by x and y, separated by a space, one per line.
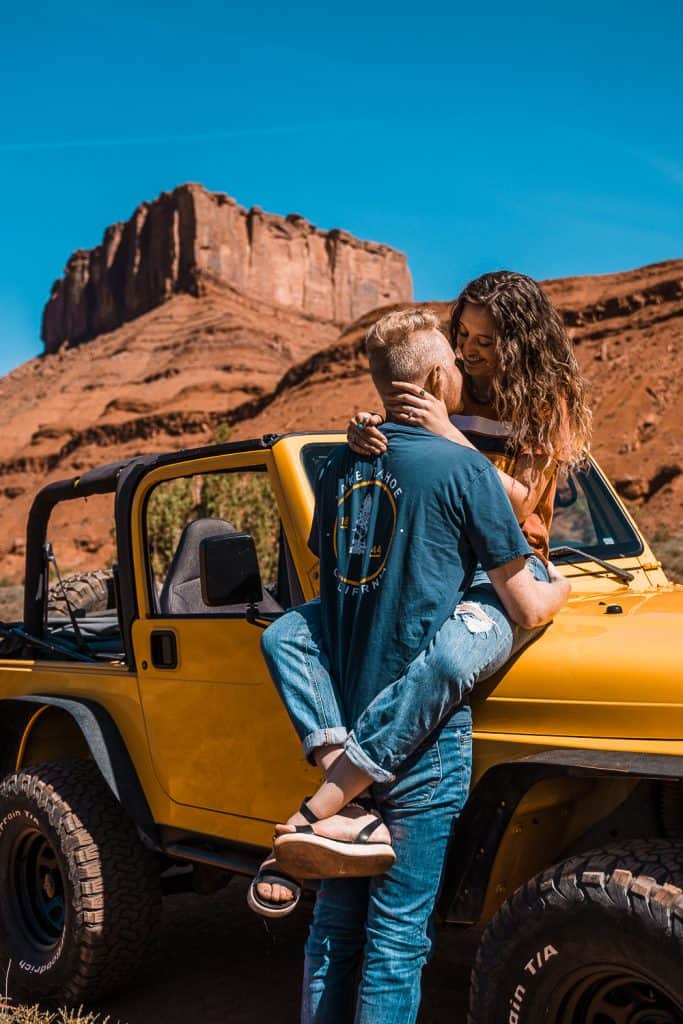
pixel 613 995
pixel 38 889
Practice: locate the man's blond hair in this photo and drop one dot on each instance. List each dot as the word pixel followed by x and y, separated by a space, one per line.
pixel 405 345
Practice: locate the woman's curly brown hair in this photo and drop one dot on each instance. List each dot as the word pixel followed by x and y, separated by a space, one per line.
pixel 537 374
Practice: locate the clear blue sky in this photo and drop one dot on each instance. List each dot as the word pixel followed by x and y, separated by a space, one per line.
pixel 541 137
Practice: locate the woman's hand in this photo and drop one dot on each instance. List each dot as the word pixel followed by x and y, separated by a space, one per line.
pixel 363 436
pixel 555 576
pixel 409 403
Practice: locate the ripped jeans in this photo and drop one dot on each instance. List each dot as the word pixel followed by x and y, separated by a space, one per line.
pixel 379 730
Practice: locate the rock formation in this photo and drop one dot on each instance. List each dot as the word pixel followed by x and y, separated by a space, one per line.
pixel 189 237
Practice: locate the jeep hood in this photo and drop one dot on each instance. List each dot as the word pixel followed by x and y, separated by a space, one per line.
pixel 596 672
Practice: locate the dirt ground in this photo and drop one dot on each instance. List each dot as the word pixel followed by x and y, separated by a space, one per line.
pixel 220 964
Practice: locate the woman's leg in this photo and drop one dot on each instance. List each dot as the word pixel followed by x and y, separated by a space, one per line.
pixel 474 642
pixel 292 648
pixel 298 665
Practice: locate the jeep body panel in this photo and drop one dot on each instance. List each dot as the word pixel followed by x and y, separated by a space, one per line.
pixel 208 736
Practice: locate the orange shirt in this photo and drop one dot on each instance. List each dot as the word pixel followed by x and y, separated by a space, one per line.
pixel 479 422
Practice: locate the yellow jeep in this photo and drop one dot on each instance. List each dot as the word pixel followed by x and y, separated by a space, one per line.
pixel 140 743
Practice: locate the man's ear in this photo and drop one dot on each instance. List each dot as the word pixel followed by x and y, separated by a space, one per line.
pixel 435 383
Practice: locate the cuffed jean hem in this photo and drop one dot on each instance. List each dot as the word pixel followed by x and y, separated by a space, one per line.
pixel 357 756
pixel 323 738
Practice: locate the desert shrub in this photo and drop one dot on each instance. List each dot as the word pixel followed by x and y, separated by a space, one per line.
pixel 669 550
pixel 244 499
pixel 169 509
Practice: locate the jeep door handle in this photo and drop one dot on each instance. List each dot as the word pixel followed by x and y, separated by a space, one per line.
pixel 163 648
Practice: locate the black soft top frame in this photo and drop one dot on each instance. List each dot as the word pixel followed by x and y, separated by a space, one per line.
pixel 121 478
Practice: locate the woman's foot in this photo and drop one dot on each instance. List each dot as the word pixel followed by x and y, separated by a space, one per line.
pixel 344 826
pixel 353 843
pixel 273 893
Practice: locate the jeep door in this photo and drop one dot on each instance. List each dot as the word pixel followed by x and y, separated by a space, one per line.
pixel 219 736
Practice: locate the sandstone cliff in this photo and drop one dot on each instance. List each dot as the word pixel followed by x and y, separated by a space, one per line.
pixel 189 237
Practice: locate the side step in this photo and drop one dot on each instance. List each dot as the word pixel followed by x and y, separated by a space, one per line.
pixel 241 862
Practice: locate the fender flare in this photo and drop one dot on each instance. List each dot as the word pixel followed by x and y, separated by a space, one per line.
pixel 107 748
pixel 491 805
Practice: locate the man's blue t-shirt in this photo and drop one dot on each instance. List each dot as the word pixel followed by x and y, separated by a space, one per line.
pixel 398 537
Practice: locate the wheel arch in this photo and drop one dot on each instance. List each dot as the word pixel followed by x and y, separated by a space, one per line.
pixel 488 847
pixel 44 727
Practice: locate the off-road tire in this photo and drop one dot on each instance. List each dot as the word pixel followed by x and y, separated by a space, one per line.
pixel 65 815
pixel 87 592
pixel 601 930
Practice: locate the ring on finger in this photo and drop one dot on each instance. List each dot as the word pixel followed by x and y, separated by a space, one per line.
pixel 422 392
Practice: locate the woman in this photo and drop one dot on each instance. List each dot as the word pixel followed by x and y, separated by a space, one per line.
pixel 523 407
pixel 523 396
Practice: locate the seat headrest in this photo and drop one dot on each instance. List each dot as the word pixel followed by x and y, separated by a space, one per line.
pixel 184 567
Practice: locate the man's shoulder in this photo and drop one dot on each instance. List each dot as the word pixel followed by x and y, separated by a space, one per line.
pixel 432 451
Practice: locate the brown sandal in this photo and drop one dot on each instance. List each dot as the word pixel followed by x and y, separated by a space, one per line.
pixel 307 855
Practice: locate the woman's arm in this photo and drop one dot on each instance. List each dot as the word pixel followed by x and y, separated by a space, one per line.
pixel 524 489
pixel 529 602
pixel 532 472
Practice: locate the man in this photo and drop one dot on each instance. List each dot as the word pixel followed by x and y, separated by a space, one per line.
pixel 398 539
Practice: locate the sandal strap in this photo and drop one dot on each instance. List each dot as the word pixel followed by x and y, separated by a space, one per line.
pixel 277 878
pixel 365 833
pixel 307 813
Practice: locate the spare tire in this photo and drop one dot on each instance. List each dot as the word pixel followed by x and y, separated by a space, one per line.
pixel 87 592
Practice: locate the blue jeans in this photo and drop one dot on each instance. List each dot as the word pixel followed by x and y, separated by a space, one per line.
pixel 379 730
pixel 383 923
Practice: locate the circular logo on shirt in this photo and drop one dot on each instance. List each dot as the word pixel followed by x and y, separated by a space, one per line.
pixel 363 531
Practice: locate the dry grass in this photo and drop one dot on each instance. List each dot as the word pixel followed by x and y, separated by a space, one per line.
pixel 34 1015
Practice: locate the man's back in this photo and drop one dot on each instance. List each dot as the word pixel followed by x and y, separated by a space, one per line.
pixel 399 537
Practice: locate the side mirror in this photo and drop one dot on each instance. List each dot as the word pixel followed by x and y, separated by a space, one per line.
pixel 228 570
